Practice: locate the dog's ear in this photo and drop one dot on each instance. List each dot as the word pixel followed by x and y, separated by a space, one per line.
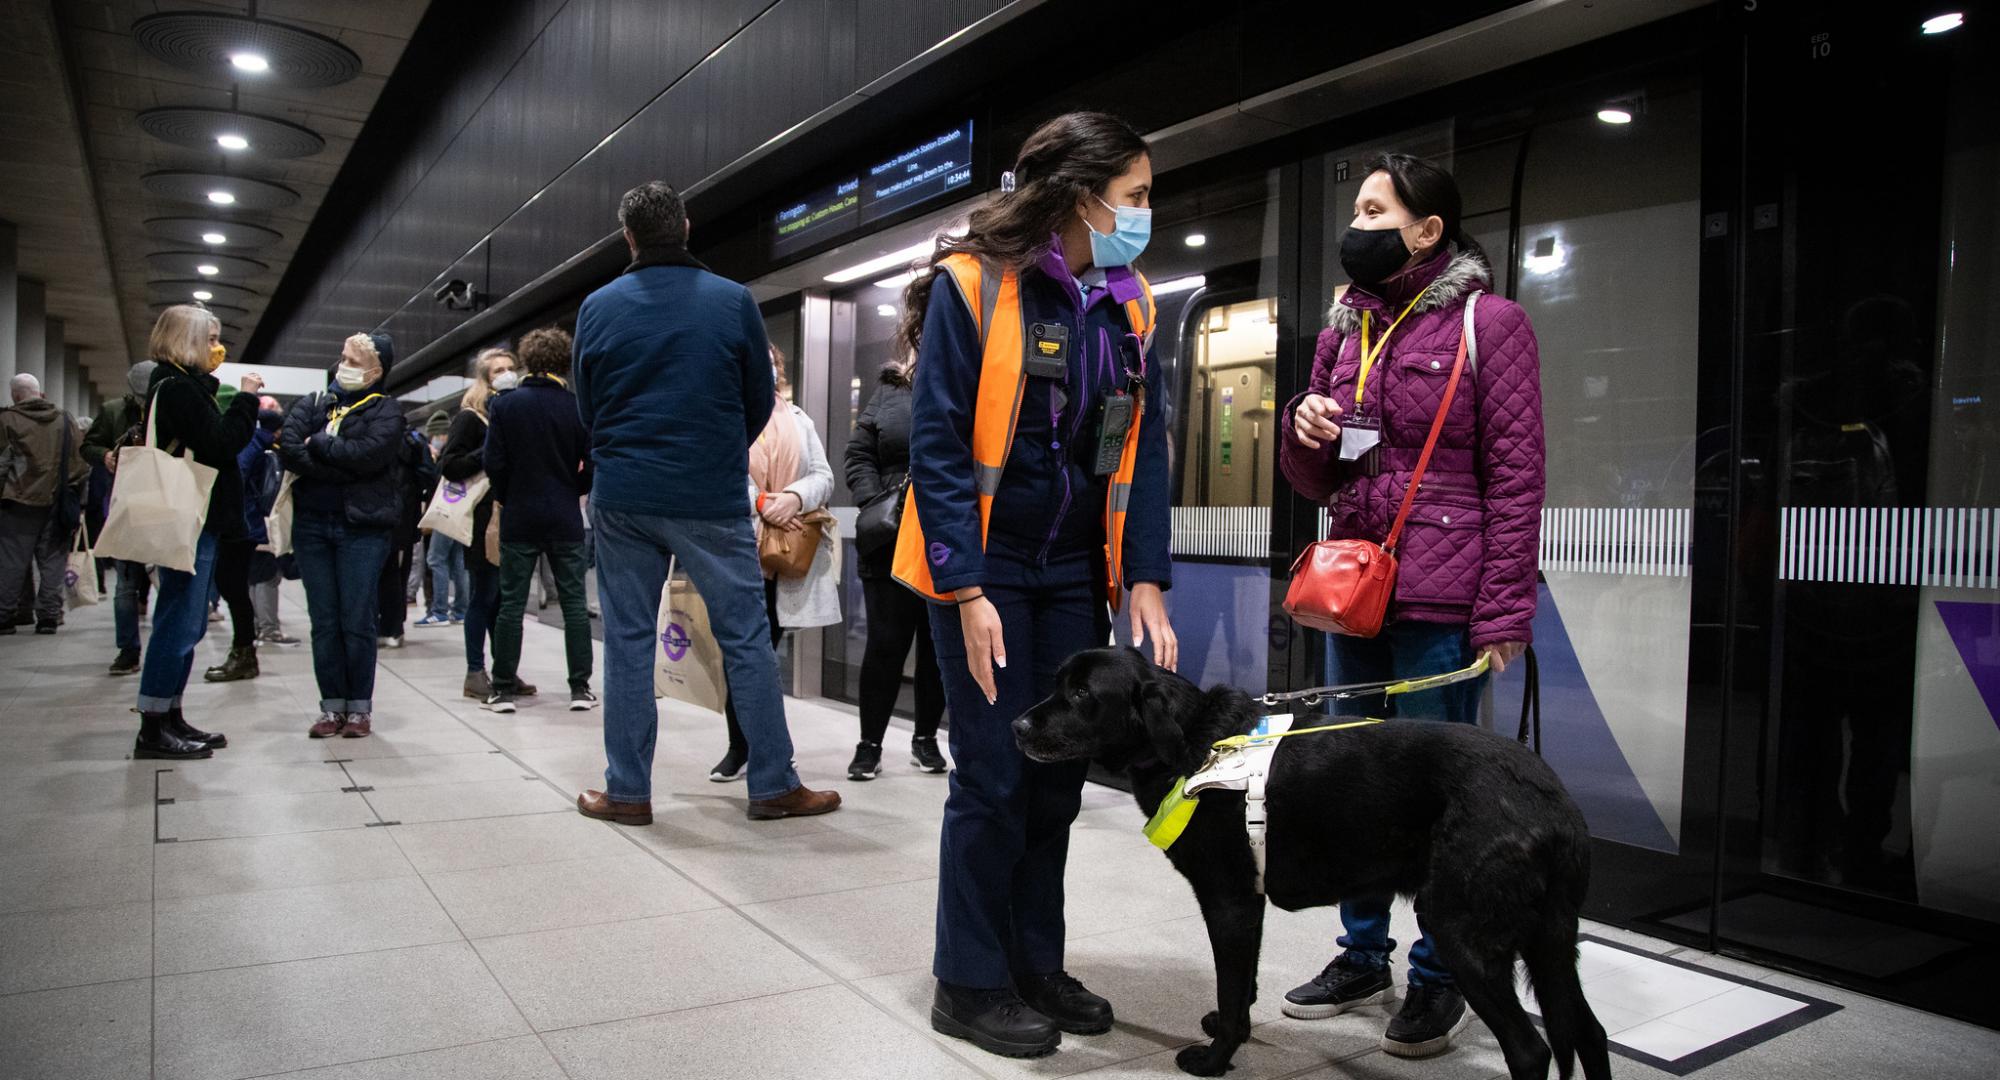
pixel 1154 706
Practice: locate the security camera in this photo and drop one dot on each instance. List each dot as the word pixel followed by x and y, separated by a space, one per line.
pixel 457 295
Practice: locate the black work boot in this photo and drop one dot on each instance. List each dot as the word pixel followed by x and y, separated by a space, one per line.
pixel 178 726
pixel 1430 1016
pixel 1064 1000
pixel 996 1021
pixel 241 664
pixel 155 742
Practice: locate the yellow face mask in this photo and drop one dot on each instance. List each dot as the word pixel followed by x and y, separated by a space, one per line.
pixel 216 355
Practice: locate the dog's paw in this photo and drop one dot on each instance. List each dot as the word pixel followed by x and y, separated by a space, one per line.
pixel 1202 1061
pixel 1211 1025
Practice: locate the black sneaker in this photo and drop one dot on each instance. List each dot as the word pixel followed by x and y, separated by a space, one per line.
pixel 1061 998
pixel 582 700
pixel 924 754
pixel 499 701
pixel 1430 1016
pixel 867 763
pixel 1340 987
pixel 127 662
pixel 996 1021
pixel 730 767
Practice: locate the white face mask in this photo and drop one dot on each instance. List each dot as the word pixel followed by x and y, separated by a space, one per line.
pixel 349 377
pixel 505 381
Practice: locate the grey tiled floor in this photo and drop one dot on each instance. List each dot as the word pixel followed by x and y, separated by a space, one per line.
pixel 492 934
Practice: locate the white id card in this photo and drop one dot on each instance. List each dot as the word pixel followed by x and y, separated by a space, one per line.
pixel 1358 435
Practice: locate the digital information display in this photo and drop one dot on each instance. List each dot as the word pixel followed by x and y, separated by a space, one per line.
pixel 915 176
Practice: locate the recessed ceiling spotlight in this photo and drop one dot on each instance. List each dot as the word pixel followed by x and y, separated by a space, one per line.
pixel 208 270
pixel 1944 24
pixel 1195 239
pixel 1615 116
pixel 214 238
pixel 249 61
pixel 203 294
pixel 221 198
pixel 232 142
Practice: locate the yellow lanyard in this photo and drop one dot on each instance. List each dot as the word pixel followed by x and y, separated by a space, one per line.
pixel 336 415
pixel 1368 354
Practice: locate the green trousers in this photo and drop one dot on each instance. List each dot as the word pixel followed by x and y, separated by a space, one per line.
pixel 517 571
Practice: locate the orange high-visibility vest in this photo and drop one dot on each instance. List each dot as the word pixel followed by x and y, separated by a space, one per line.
pixel 995 302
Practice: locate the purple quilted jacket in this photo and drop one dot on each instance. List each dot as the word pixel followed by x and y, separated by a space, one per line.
pixel 1469 550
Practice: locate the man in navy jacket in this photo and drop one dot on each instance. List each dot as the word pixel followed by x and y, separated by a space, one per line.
pixel 538 461
pixel 673 382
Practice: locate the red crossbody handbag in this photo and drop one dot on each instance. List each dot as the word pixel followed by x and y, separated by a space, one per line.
pixel 1344 586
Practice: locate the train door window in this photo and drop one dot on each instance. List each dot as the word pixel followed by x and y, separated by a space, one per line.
pixel 1213 263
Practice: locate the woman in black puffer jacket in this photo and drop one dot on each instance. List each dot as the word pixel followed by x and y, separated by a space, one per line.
pixel 878 459
pixel 345 504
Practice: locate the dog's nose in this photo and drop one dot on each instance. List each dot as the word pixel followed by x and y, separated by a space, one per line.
pixel 1022 728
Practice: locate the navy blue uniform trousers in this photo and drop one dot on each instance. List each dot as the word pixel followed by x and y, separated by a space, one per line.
pixel 1005 842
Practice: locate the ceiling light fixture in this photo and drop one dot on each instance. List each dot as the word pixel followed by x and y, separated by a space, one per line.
pixel 1944 24
pixel 214 238
pixel 221 198
pixel 898 281
pixel 892 260
pixel 1195 239
pixel 232 142
pixel 1615 116
pixel 208 270
pixel 250 62
pixel 885 310
pixel 203 294
pixel 1180 285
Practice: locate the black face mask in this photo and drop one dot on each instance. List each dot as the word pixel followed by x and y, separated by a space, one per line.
pixel 1370 256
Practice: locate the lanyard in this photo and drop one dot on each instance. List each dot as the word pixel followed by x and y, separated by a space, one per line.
pixel 336 415
pixel 1369 355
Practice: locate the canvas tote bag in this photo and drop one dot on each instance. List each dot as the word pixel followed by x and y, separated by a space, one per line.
pixel 80 575
pixel 159 502
pixel 688 666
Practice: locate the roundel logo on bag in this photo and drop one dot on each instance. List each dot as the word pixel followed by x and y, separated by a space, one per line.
pixel 675 641
pixel 453 491
pixel 70 577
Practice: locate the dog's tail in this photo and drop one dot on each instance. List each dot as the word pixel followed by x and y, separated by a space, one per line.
pixel 1572 1028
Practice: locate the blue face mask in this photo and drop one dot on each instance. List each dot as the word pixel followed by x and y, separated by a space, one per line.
pixel 1132 228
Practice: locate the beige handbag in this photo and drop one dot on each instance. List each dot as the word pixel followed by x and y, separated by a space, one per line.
pixel 688 666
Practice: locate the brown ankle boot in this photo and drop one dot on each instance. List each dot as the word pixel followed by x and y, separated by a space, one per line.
pixel 801 801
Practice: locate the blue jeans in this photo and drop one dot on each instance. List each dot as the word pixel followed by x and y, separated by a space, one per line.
pixel 720 557
pixel 180 621
pixel 341 566
pixel 125 602
pixel 1405 650
pixel 450 587
pixel 1004 843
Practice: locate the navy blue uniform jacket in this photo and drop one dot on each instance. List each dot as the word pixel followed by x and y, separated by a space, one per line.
pixel 1050 507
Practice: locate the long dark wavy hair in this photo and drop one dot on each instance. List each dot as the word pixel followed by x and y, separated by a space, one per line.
pixel 1428 189
pixel 1068 158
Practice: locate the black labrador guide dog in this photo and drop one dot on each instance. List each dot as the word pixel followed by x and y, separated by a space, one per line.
pixel 1474 826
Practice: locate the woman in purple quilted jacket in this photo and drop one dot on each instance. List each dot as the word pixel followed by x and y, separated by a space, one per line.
pixel 1466 584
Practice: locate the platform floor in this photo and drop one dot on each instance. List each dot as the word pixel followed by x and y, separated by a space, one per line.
pixel 426 904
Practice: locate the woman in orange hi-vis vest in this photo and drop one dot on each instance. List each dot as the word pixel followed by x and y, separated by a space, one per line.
pixel 1038 506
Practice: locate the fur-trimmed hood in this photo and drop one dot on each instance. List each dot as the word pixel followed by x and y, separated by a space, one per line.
pixel 894 374
pixel 1464 273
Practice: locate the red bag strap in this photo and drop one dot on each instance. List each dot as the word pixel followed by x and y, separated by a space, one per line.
pixel 1430 444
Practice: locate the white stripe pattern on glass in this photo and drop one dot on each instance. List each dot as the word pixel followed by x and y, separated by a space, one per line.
pixel 1939 546
pixel 1652 542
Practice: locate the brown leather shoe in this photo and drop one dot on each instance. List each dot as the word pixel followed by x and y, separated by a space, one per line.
pixel 359 725
pixel 593 804
pixel 327 726
pixel 801 801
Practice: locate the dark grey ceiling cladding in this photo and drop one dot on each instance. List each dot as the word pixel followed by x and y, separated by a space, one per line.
pixel 194 187
pixel 198 129
pixel 189 264
pixel 219 309
pixel 204 41
pixel 181 290
pixel 239 235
